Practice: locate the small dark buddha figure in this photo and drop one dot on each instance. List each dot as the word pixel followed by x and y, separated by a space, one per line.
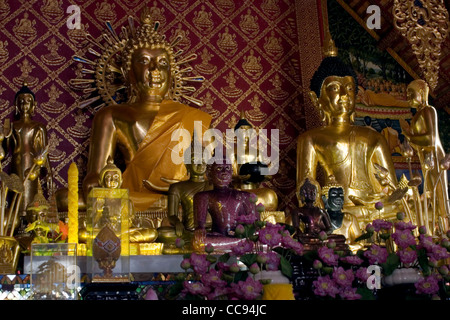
pixel 314 218
pixel 225 205
pixel 342 223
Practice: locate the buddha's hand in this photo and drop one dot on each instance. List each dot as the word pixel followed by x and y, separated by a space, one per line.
pixel 404 125
pixel 179 228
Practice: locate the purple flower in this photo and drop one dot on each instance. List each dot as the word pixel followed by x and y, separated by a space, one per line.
pixel 342 277
pixel 349 293
pixel 289 243
pixel 317 264
pixel 438 252
pixel 199 263
pixel 270 235
pixel 253 198
pixel 402 225
pixel 218 292
pixel 260 207
pixel 407 255
pixel 246 218
pixel 362 274
pixel 328 256
pixel 354 260
pixel 249 289
pixel 370 228
pixel 323 235
pixel 324 286
pixel 273 261
pixel 209 248
pixel 404 238
pixel 426 242
pixel 254 268
pixel 243 247
pixel 427 285
pixel 196 288
pixel 379 224
pixel 422 229
pixel 179 243
pixel 240 229
pixel 376 254
pixel 235 268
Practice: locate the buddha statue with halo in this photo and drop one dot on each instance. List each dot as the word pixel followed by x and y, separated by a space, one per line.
pixel 142 128
pixel 341 148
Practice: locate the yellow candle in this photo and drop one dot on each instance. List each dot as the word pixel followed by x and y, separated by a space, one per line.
pixel 73 203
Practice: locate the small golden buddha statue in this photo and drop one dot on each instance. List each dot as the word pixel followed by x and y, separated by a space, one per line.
pixel 341 148
pixel 181 195
pixel 342 223
pixel 142 128
pixel 110 178
pixel 423 135
pixel 28 139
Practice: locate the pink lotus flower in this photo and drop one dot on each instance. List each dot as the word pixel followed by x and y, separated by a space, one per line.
pixel 270 235
pixel 246 219
pixel 249 289
pixel 240 229
pixel 362 274
pixel 213 279
pixel 401 225
pixel 185 264
pixel 353 260
pixel 379 224
pixel 376 254
pixel 195 288
pixel 427 285
pixel 349 293
pixel 426 242
pixel 289 243
pixel 328 256
pixel 343 277
pixel 407 256
pixel 324 286
pixel 273 261
pixel 218 293
pixel 438 252
pixel 199 263
pixel 243 247
pixel 404 238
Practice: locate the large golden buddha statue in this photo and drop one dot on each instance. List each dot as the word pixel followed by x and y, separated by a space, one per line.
pixel 342 149
pixel 142 128
pixel 423 135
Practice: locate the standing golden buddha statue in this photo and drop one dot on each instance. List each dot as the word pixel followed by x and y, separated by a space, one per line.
pixel 341 148
pixel 423 135
pixel 28 140
pixel 142 128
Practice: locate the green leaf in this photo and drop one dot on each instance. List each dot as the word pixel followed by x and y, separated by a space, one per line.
pixel 248 259
pixel 392 262
pixel 288 227
pixel 224 258
pixel 423 261
pixel 365 236
pixel 366 293
pixel 286 267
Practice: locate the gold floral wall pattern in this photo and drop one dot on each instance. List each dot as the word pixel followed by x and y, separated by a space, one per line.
pixel 256 57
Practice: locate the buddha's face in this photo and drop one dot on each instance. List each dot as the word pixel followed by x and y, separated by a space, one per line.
pixel 338 95
pixel 415 93
pixel 198 169
pixel 336 199
pixel 221 174
pixel 151 71
pixel 25 103
pixel 112 180
pixel 308 193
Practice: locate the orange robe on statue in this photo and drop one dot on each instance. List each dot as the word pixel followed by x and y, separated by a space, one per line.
pixel 153 159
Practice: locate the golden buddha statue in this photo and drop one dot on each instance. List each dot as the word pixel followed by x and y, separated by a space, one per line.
pixel 142 128
pixel 181 195
pixel 246 166
pixel 342 149
pixel 28 140
pixel 423 135
pixel 342 223
pixel 110 180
